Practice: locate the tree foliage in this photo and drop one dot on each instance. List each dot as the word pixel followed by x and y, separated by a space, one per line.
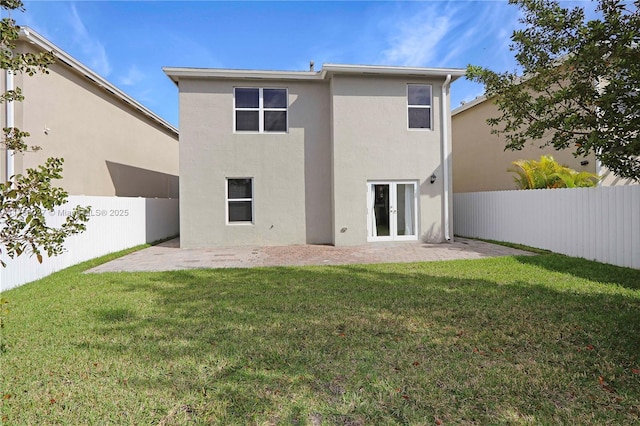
pixel 548 173
pixel 25 199
pixel 580 82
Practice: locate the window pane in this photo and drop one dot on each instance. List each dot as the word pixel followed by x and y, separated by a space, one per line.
pixel 405 216
pixel 419 118
pixel 247 121
pixel 275 121
pixel 247 98
pixel 240 211
pixel 274 98
pixel 239 188
pixel 381 210
pixel 419 95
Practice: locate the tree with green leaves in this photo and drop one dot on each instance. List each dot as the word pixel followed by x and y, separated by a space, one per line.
pixel 24 199
pixel 579 86
pixel 548 173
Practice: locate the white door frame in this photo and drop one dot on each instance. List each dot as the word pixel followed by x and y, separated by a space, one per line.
pixel 393 220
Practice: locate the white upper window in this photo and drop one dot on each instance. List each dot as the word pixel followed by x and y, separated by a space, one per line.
pixel 419 106
pixel 260 110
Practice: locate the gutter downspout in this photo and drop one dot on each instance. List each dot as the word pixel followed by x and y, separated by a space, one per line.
pixel 10 120
pixel 445 155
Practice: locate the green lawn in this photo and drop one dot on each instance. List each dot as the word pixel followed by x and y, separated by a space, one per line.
pixel 545 339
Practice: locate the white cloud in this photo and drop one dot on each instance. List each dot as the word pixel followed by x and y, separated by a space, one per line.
pixel 132 77
pixel 416 39
pixel 450 34
pixel 188 52
pixel 94 52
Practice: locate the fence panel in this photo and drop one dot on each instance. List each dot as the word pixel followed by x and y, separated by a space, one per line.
pixel 600 224
pixel 116 223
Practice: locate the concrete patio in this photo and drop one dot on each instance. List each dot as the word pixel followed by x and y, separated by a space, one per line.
pixel 168 256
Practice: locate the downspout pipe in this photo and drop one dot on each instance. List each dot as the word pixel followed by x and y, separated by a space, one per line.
pixel 10 120
pixel 445 155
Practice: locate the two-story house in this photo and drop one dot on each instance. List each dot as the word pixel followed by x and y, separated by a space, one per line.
pixel 481 163
pixel 112 144
pixel 346 155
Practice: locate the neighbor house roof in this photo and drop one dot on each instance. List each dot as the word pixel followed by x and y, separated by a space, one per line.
pixel 30 36
pixel 327 71
pixel 467 105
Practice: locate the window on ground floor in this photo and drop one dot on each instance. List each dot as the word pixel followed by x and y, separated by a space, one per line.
pixel 240 200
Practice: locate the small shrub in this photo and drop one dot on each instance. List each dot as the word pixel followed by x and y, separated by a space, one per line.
pixel 548 173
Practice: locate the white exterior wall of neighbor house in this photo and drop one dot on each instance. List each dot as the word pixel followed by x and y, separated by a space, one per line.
pixel 290 171
pixel 371 142
pixel 111 144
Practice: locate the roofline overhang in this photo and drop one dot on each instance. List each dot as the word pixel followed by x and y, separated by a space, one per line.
pixel 383 70
pixel 468 105
pixel 327 72
pixel 30 36
pixel 174 73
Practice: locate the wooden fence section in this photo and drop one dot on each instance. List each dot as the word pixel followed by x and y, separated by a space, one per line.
pixel 116 223
pixel 601 224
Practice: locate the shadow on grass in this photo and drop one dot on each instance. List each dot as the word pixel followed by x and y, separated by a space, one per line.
pixel 586 269
pixel 257 339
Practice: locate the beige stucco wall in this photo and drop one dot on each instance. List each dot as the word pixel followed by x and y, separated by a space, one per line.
pixel 109 147
pixel 479 160
pixel 290 172
pixel 371 142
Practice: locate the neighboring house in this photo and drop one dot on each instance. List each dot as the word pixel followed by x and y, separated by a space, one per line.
pixel 480 162
pixel 111 144
pixel 342 156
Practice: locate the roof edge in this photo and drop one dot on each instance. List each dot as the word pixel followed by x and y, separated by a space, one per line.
pixel 327 71
pixel 30 36
pixel 392 70
pixel 174 73
pixel 468 105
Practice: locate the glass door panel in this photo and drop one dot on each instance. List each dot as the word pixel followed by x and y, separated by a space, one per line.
pixel 392 211
pixel 381 225
pixel 405 214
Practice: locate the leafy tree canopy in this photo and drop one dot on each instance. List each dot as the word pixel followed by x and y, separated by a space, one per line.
pixel 24 199
pixel 580 82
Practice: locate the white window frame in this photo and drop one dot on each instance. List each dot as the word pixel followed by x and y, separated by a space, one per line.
pixel 429 107
pixel 261 110
pixel 228 200
pixel 393 230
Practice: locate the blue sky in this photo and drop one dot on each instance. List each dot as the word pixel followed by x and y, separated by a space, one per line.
pixel 128 42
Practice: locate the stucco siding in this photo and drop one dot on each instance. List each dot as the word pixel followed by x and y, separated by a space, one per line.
pixel 109 148
pixel 480 162
pixel 291 191
pixel 372 142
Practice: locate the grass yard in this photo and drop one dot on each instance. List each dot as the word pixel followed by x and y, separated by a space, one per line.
pixel 523 340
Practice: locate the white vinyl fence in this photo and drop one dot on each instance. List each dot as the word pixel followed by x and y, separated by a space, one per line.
pixel 115 223
pixel 601 224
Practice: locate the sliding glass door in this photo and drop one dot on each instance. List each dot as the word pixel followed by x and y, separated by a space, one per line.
pixel 392 208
